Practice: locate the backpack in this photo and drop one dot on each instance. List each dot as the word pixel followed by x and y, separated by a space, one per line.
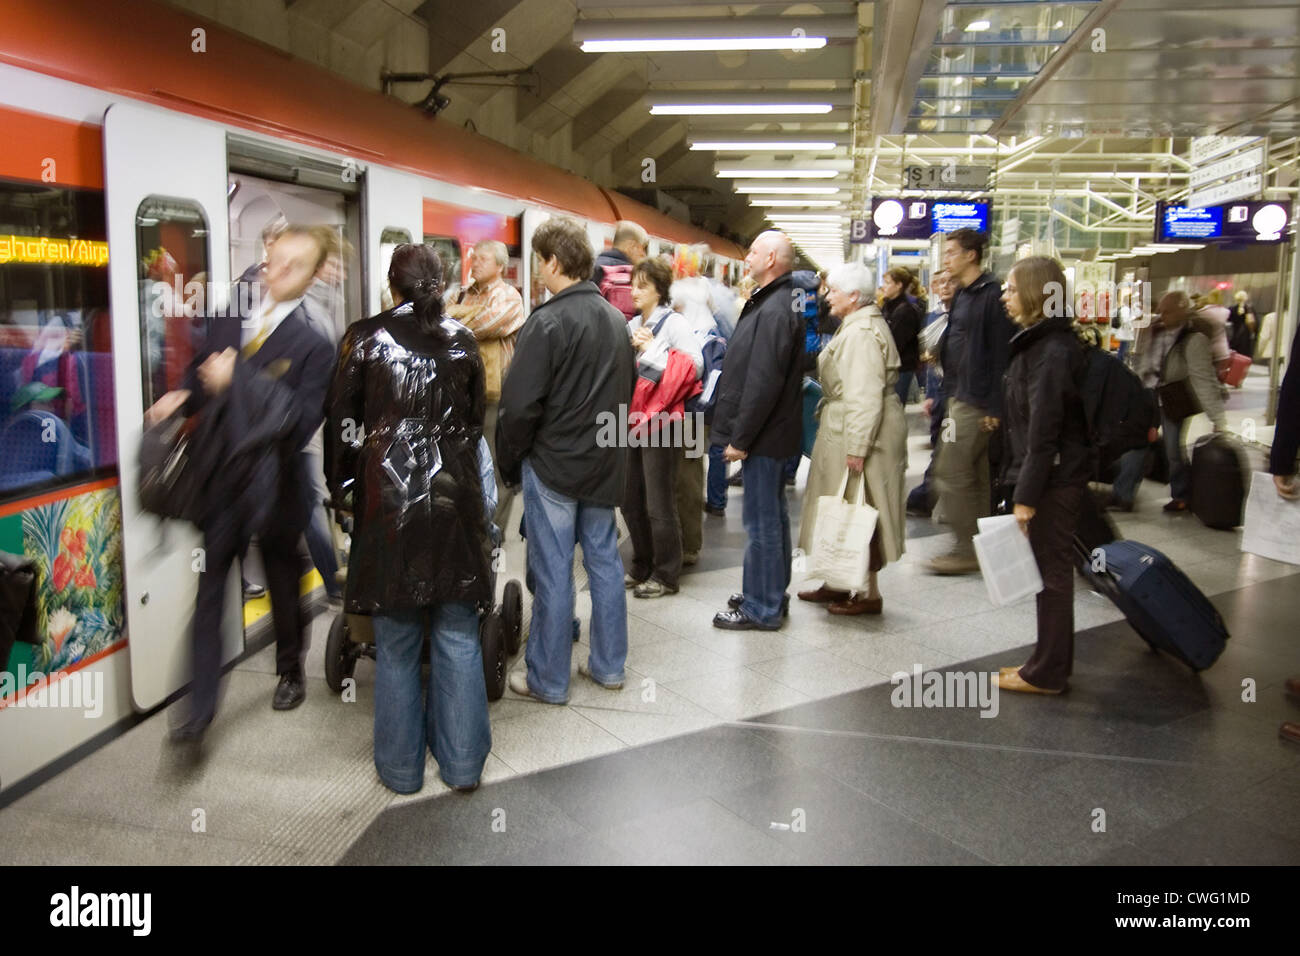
pixel 807 289
pixel 1119 409
pixel 616 287
pixel 714 349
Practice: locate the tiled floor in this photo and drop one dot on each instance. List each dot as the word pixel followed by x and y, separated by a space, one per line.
pixel 716 730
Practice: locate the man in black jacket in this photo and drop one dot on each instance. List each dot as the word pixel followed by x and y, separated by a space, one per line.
pixel 759 418
pixel 974 353
pixel 559 433
pixel 277 347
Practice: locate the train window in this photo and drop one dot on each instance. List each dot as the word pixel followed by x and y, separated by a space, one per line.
pixel 448 250
pixel 57 422
pixel 171 241
pixel 389 240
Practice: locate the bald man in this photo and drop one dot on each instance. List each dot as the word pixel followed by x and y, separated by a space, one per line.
pixel 758 418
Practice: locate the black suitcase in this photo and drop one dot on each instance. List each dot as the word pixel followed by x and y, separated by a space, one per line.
pixel 1167 610
pixel 1220 477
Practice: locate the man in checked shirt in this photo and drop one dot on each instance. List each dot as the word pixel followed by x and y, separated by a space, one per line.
pixel 494 311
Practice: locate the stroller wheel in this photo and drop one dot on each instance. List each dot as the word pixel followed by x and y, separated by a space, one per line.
pixel 512 609
pixel 340 657
pixel 492 637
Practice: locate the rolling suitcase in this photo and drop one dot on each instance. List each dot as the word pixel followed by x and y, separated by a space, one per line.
pixel 1167 610
pixel 1219 480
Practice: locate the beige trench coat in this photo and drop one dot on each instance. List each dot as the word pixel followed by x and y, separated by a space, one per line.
pixel 860 415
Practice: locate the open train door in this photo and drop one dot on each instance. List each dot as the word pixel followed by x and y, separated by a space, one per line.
pixel 165 189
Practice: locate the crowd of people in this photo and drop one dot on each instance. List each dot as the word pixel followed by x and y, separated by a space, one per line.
pixel 434 414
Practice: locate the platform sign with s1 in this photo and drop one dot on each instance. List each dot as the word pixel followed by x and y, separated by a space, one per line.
pixel 946 176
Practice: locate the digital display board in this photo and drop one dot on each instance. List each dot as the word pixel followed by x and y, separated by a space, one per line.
pixel 1253 221
pixel 921 218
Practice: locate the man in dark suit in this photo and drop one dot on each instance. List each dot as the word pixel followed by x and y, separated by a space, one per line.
pixel 273 352
pixel 759 418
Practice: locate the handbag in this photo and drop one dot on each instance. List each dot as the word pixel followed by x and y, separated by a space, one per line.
pixel 169 484
pixel 841 551
pixel 1177 400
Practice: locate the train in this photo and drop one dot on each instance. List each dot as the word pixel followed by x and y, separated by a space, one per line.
pixel 136 162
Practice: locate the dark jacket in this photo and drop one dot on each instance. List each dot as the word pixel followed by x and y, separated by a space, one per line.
pixel 1286 436
pixel 419 536
pixel 610 257
pixel 759 408
pixel 903 316
pixel 292 368
pixel 1045 427
pixel 978 318
pixel 573 368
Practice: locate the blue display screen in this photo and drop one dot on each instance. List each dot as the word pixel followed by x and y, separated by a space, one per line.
pixel 1181 223
pixel 950 215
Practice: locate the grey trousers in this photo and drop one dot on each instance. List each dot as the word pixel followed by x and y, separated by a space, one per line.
pixel 962 472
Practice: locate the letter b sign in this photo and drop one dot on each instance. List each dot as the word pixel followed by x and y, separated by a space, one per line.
pixel 858 230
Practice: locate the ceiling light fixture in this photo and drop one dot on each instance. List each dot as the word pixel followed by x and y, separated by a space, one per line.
pixel 739 146
pixel 727 109
pixel 741 173
pixel 702 44
pixel 713 33
pixel 795 202
pixel 792 190
pixel 977 26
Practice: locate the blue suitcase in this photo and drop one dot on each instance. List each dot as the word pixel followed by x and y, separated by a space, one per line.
pixel 1160 601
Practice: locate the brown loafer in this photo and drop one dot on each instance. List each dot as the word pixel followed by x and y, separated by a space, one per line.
pixel 824 595
pixel 1290 731
pixel 857 606
pixel 1292 686
pixel 1017 683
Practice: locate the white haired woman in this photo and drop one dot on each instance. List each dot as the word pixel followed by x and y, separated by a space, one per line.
pixel 862 428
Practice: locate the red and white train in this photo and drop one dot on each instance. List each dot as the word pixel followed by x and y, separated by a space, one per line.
pixel 123 141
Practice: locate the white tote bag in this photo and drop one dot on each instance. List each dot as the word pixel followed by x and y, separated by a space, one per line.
pixel 841 553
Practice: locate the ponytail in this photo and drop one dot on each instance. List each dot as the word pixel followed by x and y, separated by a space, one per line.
pixel 415 273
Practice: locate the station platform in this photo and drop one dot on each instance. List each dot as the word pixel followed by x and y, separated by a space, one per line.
pixel 756 747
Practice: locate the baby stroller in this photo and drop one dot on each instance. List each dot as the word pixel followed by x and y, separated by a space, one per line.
pixel 500 627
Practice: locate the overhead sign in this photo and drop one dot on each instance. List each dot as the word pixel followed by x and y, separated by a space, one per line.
pixel 1251 184
pixel 921 218
pixel 1207 147
pixel 1239 164
pixel 946 176
pixel 859 231
pixel 1257 221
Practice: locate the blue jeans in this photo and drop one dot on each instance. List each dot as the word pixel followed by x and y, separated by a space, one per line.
pixel 555 523
pixel 320 542
pixel 451 717
pixel 1180 472
pixel 715 485
pixel 767 523
pixel 1132 465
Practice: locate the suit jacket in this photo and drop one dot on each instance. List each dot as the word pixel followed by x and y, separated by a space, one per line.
pixel 294 363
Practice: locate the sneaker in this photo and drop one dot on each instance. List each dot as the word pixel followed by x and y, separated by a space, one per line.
pixel 737 620
pixel 585 671
pixel 631 582
pixel 953 564
pixel 652 589
pixel 690 558
pixel 736 600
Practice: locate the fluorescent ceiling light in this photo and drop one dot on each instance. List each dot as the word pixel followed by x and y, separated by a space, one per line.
pixel 792 190
pixel 726 109
pixel 977 26
pixel 806 217
pixel 1058 24
pixel 795 202
pixel 700 44
pixel 739 173
pixel 739 146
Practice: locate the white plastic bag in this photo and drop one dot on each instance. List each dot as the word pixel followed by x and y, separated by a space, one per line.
pixel 1006 560
pixel 841 553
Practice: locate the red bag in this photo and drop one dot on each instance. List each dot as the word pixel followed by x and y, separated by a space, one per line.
pixel 1234 370
pixel 616 287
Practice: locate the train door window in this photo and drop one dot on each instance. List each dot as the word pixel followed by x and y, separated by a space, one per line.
pixel 453 264
pixel 171 241
pixel 57 422
pixel 389 240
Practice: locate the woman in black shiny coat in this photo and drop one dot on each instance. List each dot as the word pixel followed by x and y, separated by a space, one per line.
pixel 405 418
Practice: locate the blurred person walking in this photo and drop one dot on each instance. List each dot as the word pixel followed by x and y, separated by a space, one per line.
pixel 903 308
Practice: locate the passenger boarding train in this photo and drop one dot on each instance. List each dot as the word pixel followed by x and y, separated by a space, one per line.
pixel 130 160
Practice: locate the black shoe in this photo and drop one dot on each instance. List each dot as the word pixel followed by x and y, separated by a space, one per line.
pixel 735 620
pixel 291 692
pixel 189 733
pixel 716 512
pixel 736 600
pixel 253 591
pixel 470 788
pixel 735 481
